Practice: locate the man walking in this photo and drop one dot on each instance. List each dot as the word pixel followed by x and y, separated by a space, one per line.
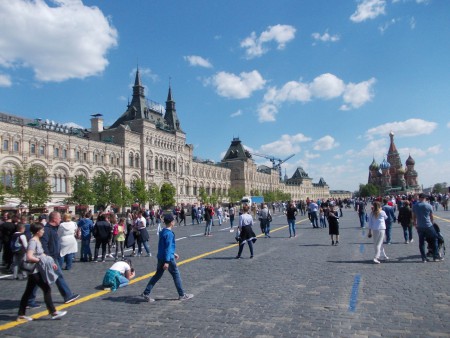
pixel 423 221
pixel 361 210
pixel 390 218
pixel 166 261
pixel 314 212
pixel 51 245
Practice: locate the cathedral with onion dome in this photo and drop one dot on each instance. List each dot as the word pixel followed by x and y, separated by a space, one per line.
pixel 390 176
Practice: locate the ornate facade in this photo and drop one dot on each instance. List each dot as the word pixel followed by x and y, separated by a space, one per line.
pixel 390 176
pixel 146 142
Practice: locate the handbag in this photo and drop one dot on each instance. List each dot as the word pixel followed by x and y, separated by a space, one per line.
pixel 27 266
pixel 269 218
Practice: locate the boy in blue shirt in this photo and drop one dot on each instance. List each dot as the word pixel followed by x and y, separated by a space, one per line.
pixel 166 261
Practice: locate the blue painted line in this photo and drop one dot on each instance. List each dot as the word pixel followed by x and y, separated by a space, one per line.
pixel 354 294
pixel 361 248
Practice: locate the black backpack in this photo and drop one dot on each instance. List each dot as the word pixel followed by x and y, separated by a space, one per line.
pixel 16 243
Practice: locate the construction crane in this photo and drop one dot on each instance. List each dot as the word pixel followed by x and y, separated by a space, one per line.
pixel 276 162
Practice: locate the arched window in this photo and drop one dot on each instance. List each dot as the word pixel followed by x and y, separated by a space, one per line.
pixel 156 163
pixel 131 160
pixel 6 145
pixel 33 148
pixel 165 164
pixel 137 161
pixel 16 146
pixel 7 179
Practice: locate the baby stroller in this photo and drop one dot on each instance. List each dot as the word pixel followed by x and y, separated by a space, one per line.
pixel 441 243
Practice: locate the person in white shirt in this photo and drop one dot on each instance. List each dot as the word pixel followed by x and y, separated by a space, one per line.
pixel 377 229
pixel 118 275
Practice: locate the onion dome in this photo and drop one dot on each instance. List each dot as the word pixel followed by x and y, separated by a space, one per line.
pixel 385 165
pixel 374 166
pixel 410 161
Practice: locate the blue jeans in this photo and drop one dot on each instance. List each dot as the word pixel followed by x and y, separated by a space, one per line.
pixel 220 218
pixel 146 247
pixel 388 231
pixel 173 270
pixel 123 281
pixel 208 227
pixel 431 234
pixel 63 288
pixel 231 221
pixel 314 219
pixel 86 253
pixel 407 232
pixel 68 259
pixel 291 223
pixel 362 219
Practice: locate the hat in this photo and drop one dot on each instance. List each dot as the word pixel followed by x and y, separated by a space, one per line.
pixel 42 217
pixel 168 218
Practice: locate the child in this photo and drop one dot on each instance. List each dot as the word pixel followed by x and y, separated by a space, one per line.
pixel 119 236
pixel 118 275
pixel 166 261
pixel 19 246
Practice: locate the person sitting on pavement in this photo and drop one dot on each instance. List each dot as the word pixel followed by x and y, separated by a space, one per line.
pixel 118 275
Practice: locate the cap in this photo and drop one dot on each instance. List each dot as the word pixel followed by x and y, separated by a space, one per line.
pixel 168 218
pixel 42 217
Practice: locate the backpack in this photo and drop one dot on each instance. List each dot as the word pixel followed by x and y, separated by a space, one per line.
pixel 16 244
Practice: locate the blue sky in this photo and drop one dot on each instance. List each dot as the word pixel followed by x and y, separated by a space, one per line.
pixel 324 80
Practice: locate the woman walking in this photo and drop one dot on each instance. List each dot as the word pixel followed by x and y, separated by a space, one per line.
pixel 405 219
pixel 35 254
pixel 68 242
pixel 377 229
pixel 246 232
pixel 333 221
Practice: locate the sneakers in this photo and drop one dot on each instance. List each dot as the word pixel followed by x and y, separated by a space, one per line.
pixel 147 298
pixel 106 289
pixel 332 242
pixel 28 319
pixel 438 259
pixel 412 240
pixel 337 243
pixel 149 254
pixel 376 261
pixel 71 299
pixel 425 260
pixel 58 314
pixel 33 306
pixel 186 296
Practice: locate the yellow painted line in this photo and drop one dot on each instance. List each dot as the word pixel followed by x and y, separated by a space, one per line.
pixel 442 219
pixel 41 314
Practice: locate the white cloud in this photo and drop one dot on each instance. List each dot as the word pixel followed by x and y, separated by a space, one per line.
pixel 144 73
pixel 195 60
pixel 237 86
pixel 325 37
pixel 408 128
pixel 59 42
pixel 325 143
pixel 368 9
pixel 5 80
pixel 237 113
pixel 417 152
pixel 327 86
pixel 412 23
pixel 256 46
pixel 448 124
pixel 357 94
pixel 309 156
pixel 286 145
pixel 386 25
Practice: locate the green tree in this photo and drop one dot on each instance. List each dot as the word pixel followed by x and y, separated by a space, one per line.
pixel 121 195
pixel 367 190
pixel 82 193
pixel 101 187
pixel 440 188
pixel 236 194
pixel 254 192
pixel 203 195
pixel 31 185
pixel 154 195
pixel 139 192
pixel 168 192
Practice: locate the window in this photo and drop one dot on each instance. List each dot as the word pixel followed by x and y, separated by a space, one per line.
pixel 42 150
pixel 59 183
pixel 95 158
pixel 56 152
pixel 111 160
pixel 130 160
pixel 136 161
pixel 5 145
pixel 156 163
pixel 101 159
pixel 7 179
pixel 85 157
pixel 16 146
pixel 77 155
pixel 64 153
pixel 33 148
pixel 118 161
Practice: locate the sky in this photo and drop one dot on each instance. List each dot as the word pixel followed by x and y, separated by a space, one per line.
pixel 324 80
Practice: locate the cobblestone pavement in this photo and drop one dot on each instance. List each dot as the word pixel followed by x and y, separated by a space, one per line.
pixel 299 287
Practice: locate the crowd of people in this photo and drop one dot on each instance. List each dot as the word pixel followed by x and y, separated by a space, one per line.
pixel 39 249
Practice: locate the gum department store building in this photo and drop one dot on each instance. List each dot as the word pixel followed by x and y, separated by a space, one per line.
pixel 146 142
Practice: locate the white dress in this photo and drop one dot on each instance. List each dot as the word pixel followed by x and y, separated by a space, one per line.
pixel 66 233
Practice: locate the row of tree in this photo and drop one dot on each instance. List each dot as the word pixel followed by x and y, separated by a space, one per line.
pixel 31 186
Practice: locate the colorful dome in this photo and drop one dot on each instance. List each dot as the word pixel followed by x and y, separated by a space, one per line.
pixel 385 165
pixel 374 166
pixel 410 161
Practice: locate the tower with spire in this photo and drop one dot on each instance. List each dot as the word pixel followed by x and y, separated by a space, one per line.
pixel 390 176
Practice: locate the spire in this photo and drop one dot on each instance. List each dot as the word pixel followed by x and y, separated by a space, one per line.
pixel 138 89
pixel 392 147
pixel 171 111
